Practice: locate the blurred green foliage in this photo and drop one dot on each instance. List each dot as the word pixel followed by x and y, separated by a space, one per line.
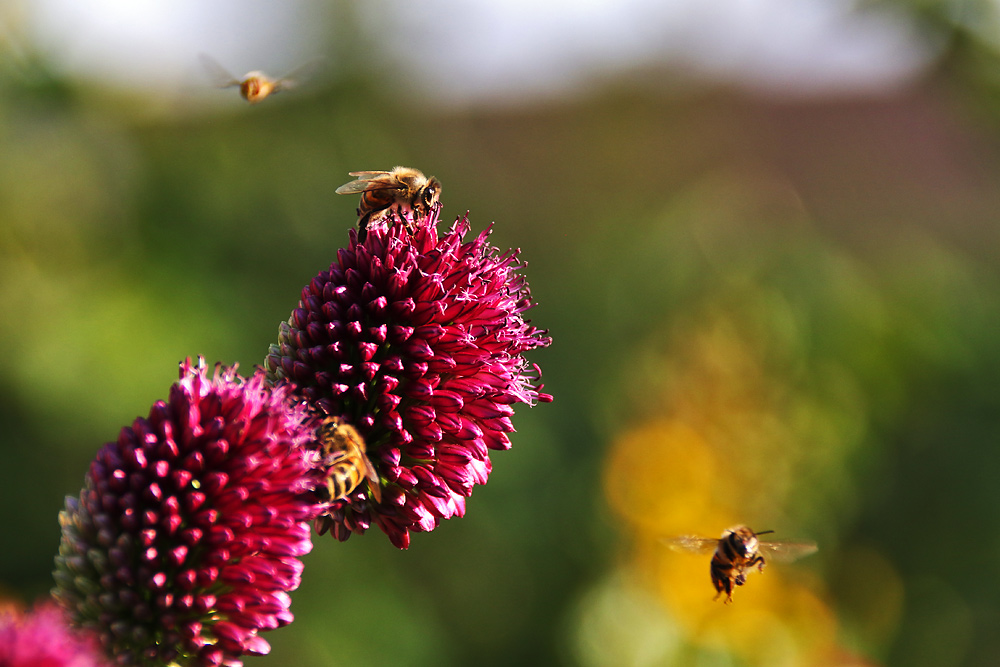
pixel 856 238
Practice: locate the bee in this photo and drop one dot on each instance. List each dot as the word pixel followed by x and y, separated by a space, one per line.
pixel 346 459
pixel 404 187
pixel 737 552
pixel 254 86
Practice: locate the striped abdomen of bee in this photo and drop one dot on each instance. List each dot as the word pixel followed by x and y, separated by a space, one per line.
pixel 738 551
pixel 347 461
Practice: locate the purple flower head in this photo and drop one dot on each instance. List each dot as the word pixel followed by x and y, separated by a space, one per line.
pixel 417 341
pixel 185 540
pixel 43 638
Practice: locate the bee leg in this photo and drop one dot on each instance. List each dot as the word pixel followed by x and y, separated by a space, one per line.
pixel 363 226
pixel 409 223
pixel 727 588
pixel 397 210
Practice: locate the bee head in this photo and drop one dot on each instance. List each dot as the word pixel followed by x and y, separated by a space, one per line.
pixel 751 543
pixel 431 193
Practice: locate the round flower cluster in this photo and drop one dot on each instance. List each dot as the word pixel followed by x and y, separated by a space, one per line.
pixel 417 341
pixel 185 541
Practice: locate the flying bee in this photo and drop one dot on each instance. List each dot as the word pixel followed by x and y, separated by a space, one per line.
pixel 737 552
pixel 346 459
pixel 404 188
pixel 254 86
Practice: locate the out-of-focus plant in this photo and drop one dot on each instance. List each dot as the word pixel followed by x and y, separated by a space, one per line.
pixel 731 447
pixel 42 637
pixel 757 404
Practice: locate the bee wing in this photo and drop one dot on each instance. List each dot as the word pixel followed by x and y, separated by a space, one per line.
pixel 691 543
pixel 285 84
pixel 364 180
pixel 786 552
pixel 354 186
pixel 372 475
pixel 217 74
pixel 304 72
pixel 367 175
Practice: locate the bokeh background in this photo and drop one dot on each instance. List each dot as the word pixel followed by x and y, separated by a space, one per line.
pixel 762 233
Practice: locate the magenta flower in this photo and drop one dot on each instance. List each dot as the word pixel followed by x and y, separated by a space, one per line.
pixel 185 540
pixel 43 638
pixel 418 342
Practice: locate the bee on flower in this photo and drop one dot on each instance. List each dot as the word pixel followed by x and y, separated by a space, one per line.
pixel 417 340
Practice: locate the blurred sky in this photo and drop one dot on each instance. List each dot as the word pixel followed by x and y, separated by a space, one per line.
pixel 475 50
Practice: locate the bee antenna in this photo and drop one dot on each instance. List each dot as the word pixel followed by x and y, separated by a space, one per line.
pixel 763 532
